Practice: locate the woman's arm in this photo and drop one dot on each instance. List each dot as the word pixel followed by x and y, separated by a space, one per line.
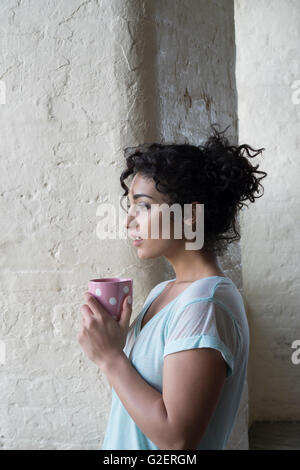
pixel 143 403
pixel 193 380
pixel 176 419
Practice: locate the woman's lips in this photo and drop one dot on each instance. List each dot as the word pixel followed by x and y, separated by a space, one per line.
pixel 137 242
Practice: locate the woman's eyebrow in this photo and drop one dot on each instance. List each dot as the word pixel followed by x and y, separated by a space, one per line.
pixel 136 196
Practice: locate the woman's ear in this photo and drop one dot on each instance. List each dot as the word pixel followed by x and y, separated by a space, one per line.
pixel 190 220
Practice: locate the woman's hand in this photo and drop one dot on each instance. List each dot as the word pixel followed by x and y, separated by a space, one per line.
pixel 101 337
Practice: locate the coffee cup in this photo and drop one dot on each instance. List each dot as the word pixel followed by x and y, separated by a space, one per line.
pixel 110 293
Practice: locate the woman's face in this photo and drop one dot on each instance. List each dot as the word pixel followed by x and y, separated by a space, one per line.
pixel 141 213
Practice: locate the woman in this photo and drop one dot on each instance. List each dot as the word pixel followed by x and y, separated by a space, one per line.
pixel 179 382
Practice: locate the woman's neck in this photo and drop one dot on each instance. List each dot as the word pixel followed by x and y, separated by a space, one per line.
pixel 191 265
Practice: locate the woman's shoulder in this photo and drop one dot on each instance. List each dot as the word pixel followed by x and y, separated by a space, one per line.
pixel 219 294
pixel 208 288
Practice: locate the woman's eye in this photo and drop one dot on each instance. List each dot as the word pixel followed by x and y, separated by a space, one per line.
pixel 141 204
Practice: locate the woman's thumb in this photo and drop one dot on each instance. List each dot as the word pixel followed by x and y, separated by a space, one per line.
pixel 127 309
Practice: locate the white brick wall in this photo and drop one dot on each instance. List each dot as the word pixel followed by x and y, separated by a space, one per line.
pixel 84 80
pixel 268 64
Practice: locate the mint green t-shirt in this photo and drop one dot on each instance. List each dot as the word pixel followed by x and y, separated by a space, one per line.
pixel 209 313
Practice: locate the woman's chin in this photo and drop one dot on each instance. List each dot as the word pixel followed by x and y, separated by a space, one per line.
pixel 144 254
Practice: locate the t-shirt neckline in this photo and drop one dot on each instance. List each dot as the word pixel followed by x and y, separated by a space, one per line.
pixel 138 329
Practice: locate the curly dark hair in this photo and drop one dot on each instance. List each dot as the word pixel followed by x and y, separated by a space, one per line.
pixel 216 174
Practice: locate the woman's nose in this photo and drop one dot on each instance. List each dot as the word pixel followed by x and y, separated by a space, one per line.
pixel 128 220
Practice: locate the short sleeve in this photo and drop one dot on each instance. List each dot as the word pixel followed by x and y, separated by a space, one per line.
pixel 202 324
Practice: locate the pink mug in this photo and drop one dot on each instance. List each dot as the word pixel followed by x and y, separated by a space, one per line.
pixel 110 293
